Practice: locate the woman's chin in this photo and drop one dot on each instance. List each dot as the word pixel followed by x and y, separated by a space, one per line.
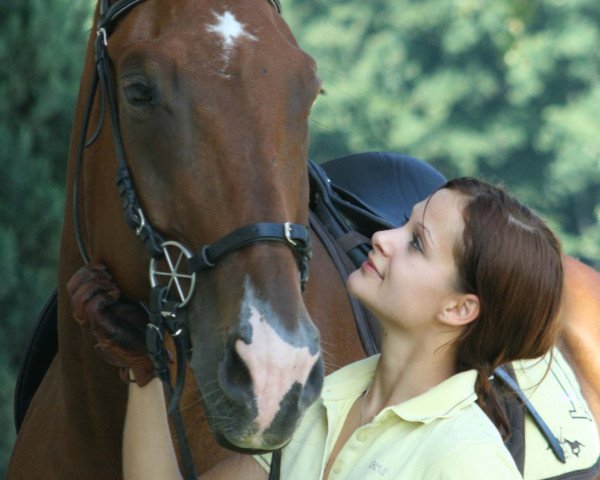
pixel 354 281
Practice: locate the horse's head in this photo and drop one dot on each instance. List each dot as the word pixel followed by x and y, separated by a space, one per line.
pixel 213 103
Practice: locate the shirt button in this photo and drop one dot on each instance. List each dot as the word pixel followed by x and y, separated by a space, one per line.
pixel 362 436
pixel 337 468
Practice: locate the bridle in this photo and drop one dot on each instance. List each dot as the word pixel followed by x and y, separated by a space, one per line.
pixel 167 296
pixel 296 236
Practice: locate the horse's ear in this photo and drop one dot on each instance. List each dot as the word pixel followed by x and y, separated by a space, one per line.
pixel 460 310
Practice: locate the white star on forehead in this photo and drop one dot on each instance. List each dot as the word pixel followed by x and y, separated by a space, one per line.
pixel 230 29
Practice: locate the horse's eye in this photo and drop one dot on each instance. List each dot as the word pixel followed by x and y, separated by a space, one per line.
pixel 138 93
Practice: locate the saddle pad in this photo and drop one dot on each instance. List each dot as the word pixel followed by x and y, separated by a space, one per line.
pixel 558 399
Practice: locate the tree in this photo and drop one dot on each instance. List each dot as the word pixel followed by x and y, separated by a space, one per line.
pixel 41 55
pixel 507 90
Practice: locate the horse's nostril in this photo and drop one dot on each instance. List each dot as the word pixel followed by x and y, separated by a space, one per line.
pixel 314 384
pixel 235 378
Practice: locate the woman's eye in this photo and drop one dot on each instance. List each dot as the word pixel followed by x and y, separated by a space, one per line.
pixel 416 243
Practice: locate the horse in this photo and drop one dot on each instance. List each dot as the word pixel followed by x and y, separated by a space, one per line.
pixel 213 105
pixel 228 81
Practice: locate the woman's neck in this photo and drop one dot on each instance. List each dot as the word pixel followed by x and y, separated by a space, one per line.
pixel 406 369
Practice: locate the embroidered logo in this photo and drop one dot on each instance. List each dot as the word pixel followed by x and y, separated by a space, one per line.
pixel 378 468
pixel 573 445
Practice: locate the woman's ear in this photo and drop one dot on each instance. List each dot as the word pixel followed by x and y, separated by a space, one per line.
pixel 461 310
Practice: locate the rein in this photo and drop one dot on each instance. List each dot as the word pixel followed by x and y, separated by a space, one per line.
pixel 167 296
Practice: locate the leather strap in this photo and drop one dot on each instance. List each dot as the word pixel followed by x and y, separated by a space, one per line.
pixel 515 414
pixel 294 235
pixel 535 416
pixel 351 240
pixel 276 5
pixel 158 324
pixel 109 15
pixel 275 470
pixel 366 323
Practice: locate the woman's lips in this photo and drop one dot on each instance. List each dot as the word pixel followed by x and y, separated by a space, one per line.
pixel 369 267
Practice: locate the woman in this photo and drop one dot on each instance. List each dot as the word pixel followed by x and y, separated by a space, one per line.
pixel 472 281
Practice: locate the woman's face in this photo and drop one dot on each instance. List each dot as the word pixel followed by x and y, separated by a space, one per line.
pixel 411 274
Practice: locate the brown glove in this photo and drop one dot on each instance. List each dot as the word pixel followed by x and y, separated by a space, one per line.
pixel 117 323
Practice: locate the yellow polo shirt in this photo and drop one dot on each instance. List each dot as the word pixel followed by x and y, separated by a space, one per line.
pixel 441 434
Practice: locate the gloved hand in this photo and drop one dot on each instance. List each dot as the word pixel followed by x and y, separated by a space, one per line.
pixel 117 323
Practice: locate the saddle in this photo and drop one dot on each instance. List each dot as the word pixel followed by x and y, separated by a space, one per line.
pixel 350 199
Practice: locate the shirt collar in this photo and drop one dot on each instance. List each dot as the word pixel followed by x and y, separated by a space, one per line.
pixel 443 400
pixel 350 381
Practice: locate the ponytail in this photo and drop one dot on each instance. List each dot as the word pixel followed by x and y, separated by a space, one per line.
pixel 489 401
pixel 490 398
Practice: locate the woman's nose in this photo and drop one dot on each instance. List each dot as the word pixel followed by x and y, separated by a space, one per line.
pixel 383 241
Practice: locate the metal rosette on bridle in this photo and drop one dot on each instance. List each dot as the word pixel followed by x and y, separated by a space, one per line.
pixel 171 271
pixel 172 289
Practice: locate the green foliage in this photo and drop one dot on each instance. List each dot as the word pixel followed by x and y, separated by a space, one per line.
pixel 41 55
pixel 504 89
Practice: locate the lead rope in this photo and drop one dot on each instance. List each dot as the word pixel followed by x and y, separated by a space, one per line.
pixel 163 317
pixel 275 470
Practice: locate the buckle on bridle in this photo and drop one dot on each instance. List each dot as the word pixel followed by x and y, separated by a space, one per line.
pixel 287 231
pixel 101 32
pixel 142 221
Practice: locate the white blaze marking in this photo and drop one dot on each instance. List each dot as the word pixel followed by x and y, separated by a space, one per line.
pixel 230 30
pixel 274 364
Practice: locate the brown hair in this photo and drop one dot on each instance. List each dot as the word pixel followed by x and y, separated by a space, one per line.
pixel 512 261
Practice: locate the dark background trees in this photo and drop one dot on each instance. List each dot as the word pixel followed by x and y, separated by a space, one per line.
pixel 508 90
pixel 41 55
pixel 505 89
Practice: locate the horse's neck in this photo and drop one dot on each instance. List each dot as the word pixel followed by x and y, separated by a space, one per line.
pixel 329 306
pixel 75 420
pixel 581 328
pixel 89 392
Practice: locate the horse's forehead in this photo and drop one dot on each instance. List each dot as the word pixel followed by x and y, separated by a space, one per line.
pixel 229 29
pixel 211 29
pixel 230 20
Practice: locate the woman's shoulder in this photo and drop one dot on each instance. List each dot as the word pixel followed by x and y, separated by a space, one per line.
pixel 475 460
pixel 470 425
pixel 470 447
